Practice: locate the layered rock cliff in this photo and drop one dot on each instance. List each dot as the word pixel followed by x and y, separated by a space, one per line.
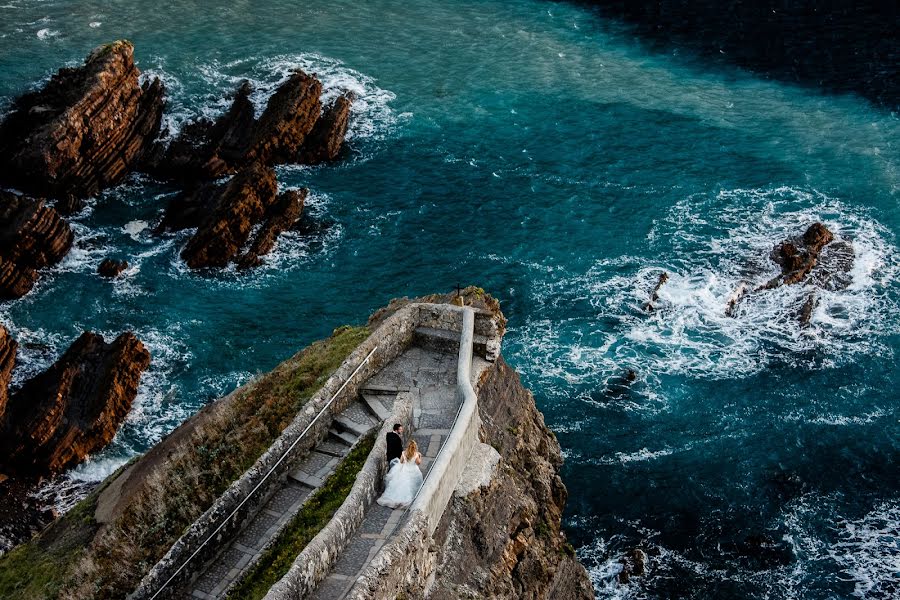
pixel 32 236
pixel 73 408
pixel 500 537
pixel 84 130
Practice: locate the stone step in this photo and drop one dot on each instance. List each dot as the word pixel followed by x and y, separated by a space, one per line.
pixel 374 404
pixel 350 425
pixel 343 436
pixel 333 448
pixel 302 477
pixel 446 341
pixel 379 390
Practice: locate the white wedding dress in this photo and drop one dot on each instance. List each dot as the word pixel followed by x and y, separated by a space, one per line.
pixel 401 483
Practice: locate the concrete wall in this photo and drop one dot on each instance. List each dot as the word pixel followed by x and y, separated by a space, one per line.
pixel 390 339
pixel 438 487
pixel 314 563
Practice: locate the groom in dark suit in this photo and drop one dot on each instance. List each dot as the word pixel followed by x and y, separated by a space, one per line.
pixel 395 442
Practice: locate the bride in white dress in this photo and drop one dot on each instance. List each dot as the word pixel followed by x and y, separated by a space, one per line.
pixel 403 479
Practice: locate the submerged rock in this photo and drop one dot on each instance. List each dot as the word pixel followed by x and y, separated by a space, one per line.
pixel 112 268
pixel 32 236
pixel 649 306
pixel 72 409
pixel 634 564
pixel 815 259
pixel 84 130
pixel 798 257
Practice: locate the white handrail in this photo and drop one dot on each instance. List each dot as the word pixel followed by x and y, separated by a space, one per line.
pixel 271 470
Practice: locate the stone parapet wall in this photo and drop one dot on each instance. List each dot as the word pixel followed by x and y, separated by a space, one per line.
pixel 407 563
pixel 314 563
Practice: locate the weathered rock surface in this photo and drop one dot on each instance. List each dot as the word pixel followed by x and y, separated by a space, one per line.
pixel 292 129
pixel 8 349
pixel 225 215
pixel 324 142
pixel 32 236
pixel 816 258
pixel 504 540
pixel 280 216
pixel 72 409
pixel 290 115
pixel 111 267
pixel 207 149
pixel 84 130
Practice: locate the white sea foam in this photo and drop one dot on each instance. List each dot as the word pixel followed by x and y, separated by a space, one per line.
pixel 709 246
pixel 46 33
pixel 94 24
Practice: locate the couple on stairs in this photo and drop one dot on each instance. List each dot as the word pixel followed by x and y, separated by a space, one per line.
pixel 403 478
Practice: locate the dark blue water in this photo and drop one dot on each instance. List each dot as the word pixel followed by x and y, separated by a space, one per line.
pixel 541 153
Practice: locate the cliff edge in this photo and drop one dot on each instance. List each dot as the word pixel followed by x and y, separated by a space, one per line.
pixel 500 536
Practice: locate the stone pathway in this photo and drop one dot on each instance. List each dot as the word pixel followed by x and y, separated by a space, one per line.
pixel 246 549
pixel 428 371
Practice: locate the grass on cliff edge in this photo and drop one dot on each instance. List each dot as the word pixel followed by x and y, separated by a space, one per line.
pixel 315 514
pixel 108 562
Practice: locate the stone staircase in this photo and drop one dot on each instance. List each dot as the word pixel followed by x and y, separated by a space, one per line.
pixel 245 550
pixel 427 370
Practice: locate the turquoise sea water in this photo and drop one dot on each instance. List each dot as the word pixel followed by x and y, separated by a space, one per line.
pixel 539 151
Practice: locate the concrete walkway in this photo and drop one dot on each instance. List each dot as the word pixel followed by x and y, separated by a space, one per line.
pixel 428 371
pixel 244 551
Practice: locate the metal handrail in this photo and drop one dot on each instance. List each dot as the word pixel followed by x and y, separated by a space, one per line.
pixel 271 470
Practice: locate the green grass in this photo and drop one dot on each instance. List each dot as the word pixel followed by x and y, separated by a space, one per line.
pixel 315 514
pixel 75 558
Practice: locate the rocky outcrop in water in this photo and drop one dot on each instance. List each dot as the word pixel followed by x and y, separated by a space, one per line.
pixel 72 409
pixel 111 267
pixel 324 142
pixel 815 259
pixel 225 214
pixel 292 129
pixel 650 305
pixel 280 216
pixel 32 236
pixel 503 539
pixel 84 130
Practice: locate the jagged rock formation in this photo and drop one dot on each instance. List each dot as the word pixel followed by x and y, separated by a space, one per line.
pixel 225 214
pixel 207 149
pixel 111 267
pixel 798 257
pixel 281 215
pixel 84 130
pixel 290 115
pixel 32 236
pixel 73 408
pixel 324 142
pixel 649 305
pixel 816 258
pixel 8 349
pixel 291 129
pixel 503 540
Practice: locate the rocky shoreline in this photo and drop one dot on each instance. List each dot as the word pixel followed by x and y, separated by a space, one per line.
pixel 84 131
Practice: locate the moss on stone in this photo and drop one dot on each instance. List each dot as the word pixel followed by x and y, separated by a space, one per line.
pixel 315 514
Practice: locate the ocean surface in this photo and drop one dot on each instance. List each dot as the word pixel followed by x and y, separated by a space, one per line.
pixel 542 152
